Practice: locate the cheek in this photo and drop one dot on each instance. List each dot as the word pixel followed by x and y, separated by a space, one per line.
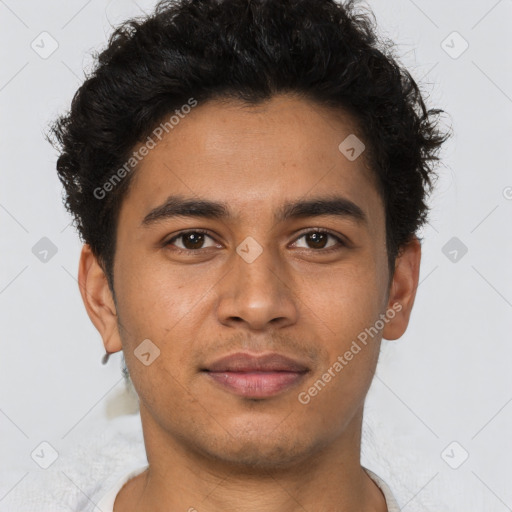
pixel 163 391
pixel 337 391
pixel 346 306
pixel 166 306
pixel 156 295
pixel 348 309
pixel 345 300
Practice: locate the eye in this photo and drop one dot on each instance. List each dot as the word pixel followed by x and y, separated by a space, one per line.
pixel 319 239
pixel 191 240
pixel 195 240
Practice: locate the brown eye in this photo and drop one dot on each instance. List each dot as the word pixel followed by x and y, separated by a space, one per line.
pixel 319 240
pixel 193 240
pixel 190 241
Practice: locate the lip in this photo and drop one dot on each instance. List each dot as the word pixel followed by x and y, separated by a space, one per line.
pixel 256 376
pixel 246 362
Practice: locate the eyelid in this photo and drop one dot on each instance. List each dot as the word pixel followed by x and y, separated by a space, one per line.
pixel 186 232
pixel 340 239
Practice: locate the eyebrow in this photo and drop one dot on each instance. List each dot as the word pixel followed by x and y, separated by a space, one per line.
pixel 179 206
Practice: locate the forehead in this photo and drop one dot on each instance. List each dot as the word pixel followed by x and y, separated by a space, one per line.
pixel 254 157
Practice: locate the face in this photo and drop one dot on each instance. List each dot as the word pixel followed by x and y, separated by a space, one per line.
pixel 285 255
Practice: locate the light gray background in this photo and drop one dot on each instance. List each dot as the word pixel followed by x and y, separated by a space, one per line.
pixel 448 379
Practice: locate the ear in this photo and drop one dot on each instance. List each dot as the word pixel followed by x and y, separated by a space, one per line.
pixel 403 289
pixel 98 299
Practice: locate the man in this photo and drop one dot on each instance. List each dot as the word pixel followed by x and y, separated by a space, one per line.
pixel 248 177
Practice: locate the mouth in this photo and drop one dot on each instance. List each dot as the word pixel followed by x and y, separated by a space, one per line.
pixel 256 376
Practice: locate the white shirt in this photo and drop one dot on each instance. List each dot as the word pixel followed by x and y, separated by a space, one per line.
pixel 106 503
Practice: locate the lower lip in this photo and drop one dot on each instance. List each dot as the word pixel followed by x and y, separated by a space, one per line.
pixel 256 384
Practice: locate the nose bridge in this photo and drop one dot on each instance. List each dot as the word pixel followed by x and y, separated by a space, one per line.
pixel 255 292
pixel 257 273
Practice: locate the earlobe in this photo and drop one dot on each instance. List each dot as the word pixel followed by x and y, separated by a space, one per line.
pixel 403 290
pixel 98 300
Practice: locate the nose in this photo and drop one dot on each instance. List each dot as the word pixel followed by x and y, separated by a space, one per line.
pixel 257 295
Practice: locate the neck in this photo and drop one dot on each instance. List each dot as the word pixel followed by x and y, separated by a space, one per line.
pixel 179 478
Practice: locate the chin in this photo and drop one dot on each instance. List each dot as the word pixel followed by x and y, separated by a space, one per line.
pixel 249 450
pixel 253 456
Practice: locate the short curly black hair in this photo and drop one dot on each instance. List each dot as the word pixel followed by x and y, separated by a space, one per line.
pixel 247 50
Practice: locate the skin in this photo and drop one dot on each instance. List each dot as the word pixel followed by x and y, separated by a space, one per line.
pixel 209 449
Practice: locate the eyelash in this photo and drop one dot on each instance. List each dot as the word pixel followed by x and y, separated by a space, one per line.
pixel 341 244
